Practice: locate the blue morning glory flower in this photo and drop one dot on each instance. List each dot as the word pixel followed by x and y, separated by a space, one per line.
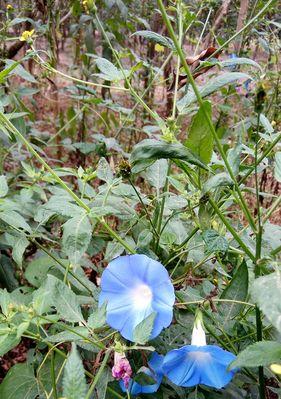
pixel 134 287
pixel 199 363
pixel 155 371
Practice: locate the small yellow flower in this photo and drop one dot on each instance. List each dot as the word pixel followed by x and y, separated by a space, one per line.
pixel 26 35
pixel 159 48
pixel 9 7
pixel 276 368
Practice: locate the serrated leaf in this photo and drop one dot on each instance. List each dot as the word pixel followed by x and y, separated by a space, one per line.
pixel 77 233
pixel 65 301
pixel 74 381
pixel 265 292
pixel 214 241
pixel 14 219
pixel 156 173
pixel 236 290
pixel 7 341
pixel 68 336
pixel 104 171
pixel 19 243
pixel 20 71
pixel 143 330
pixel 219 180
pixel 37 270
pixel 19 383
pixel 97 319
pixel 259 354
pixel 148 150
pixel 212 86
pixel 156 37
pixel 3 186
pixel 200 139
pixel 108 70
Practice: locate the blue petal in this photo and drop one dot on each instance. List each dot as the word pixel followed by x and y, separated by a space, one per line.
pixel 193 365
pixel 155 363
pixel 118 281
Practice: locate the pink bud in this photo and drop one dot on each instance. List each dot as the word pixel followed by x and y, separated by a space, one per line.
pixel 122 369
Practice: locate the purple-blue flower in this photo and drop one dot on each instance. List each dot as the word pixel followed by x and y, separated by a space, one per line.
pixel 154 371
pixel 134 287
pixel 199 363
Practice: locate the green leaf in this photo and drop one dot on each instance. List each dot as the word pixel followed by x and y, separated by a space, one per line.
pixel 155 37
pixel 240 61
pixel 7 341
pixel 37 270
pixel 259 354
pixel 200 139
pixel 277 167
pixel 97 319
pixel 7 277
pixel 265 292
pixel 266 124
pixel 19 243
pixel 7 70
pixel 108 70
pixel 214 241
pixel 20 71
pixel 104 171
pixel 19 383
pixel 145 152
pixel 212 86
pixel 143 330
pixel 233 157
pixel 74 381
pixel 77 233
pixel 65 301
pixel 156 173
pixel 3 186
pixel 219 180
pixel 236 290
pixel 14 219
pixel 68 336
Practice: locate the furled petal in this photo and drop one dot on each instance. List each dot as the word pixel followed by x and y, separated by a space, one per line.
pixel 154 371
pixel 192 365
pixel 134 287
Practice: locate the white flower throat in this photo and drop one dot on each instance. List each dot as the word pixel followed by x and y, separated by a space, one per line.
pixel 198 337
pixel 142 296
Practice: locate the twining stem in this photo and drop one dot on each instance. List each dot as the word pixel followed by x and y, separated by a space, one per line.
pixel 10 127
pixel 98 375
pixel 206 115
pixel 262 389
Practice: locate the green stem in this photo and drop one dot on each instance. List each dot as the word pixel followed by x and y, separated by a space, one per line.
pixel 162 206
pixel 200 302
pixel 7 124
pixel 98 375
pixel 53 376
pixel 262 389
pixel 231 229
pixel 153 114
pixel 201 103
pixel 61 264
pixel 144 207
